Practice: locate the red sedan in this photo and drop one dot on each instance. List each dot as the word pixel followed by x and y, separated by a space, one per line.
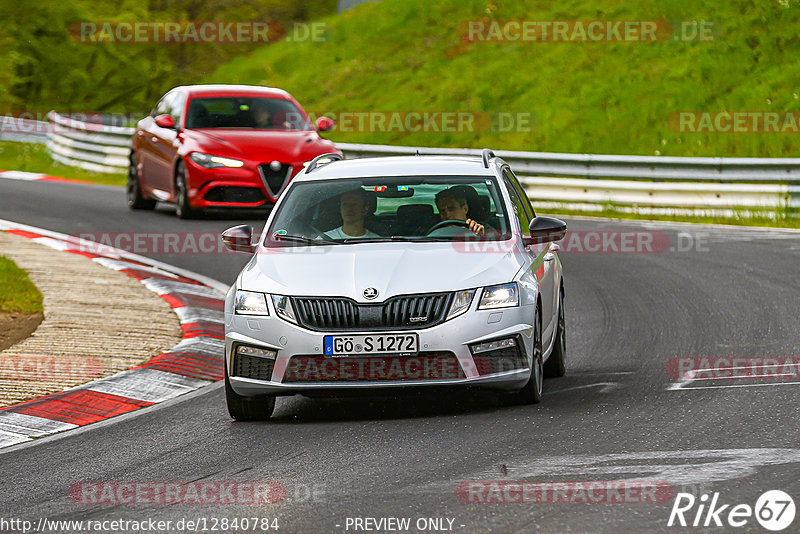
pixel 221 146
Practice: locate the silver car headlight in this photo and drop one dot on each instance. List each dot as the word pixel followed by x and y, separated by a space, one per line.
pixel 250 303
pixel 212 162
pixel 461 303
pixel 283 307
pixel 500 296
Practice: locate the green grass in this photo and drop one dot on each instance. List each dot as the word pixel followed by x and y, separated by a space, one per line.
pixel 18 294
pixel 35 158
pixel 592 97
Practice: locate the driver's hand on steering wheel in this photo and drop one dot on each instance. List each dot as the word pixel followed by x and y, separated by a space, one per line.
pixel 475 226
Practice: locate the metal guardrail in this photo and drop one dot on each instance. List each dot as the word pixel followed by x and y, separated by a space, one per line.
pixel 580 181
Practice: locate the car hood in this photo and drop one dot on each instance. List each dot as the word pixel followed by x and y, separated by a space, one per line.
pixel 391 268
pixel 288 146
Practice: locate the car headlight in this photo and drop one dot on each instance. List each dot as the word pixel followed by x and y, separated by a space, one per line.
pixel 283 307
pixel 212 162
pixel 250 303
pixel 461 303
pixel 501 296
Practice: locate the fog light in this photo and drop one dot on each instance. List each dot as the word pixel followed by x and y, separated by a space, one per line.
pixel 494 345
pixel 244 350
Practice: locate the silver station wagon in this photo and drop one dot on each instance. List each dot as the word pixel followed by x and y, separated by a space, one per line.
pixel 398 272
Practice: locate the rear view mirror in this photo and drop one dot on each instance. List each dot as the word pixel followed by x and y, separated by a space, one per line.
pixel 544 230
pixel 165 121
pixel 325 124
pixel 239 239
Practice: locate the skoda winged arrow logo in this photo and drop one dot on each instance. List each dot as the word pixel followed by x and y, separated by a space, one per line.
pixel 370 293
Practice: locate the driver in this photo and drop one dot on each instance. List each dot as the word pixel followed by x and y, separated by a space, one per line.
pixel 353 206
pixel 452 205
pixel 261 115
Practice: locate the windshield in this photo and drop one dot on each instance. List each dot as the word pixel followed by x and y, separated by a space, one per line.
pixel 411 208
pixel 245 112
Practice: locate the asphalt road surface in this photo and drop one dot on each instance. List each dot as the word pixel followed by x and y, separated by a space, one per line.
pixel 621 413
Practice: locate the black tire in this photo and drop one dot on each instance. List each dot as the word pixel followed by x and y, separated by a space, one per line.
pixel 183 209
pixel 133 188
pixel 531 393
pixel 556 364
pixel 248 408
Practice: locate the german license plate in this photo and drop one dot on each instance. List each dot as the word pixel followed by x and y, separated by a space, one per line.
pixel 371 344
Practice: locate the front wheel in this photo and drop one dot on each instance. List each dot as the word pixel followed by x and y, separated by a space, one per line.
pixel 183 209
pixel 133 189
pixel 531 393
pixel 244 408
pixel 556 364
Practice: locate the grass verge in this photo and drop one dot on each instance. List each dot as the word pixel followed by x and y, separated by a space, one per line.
pixel 18 295
pixel 32 157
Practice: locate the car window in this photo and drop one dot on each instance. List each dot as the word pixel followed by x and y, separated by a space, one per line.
pixel 526 202
pixel 176 107
pixel 163 106
pixel 392 207
pixel 519 205
pixel 245 112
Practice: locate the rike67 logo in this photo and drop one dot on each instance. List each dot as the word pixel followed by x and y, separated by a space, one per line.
pixel 774 510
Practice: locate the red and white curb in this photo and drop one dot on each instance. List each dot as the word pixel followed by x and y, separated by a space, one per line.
pixel 195 362
pixel 37 177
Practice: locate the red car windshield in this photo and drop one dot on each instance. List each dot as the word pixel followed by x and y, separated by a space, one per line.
pixel 245 112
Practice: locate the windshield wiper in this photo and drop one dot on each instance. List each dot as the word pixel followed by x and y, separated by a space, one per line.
pixel 303 239
pixel 396 238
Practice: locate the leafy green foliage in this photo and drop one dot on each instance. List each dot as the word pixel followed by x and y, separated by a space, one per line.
pixel 595 97
pixel 44 63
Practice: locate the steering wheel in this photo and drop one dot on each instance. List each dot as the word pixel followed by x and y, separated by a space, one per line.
pixel 448 222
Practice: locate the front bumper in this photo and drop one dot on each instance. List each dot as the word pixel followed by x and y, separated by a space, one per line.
pixel 232 187
pixel 445 357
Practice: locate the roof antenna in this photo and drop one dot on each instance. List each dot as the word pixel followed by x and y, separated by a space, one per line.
pixel 417 152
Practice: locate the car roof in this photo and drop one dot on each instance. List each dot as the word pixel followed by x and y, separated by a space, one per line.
pixel 220 89
pixel 399 166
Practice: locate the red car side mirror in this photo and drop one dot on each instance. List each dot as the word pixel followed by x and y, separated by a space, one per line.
pixel 165 121
pixel 325 124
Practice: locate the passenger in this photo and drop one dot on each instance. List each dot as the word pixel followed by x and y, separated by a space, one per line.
pixel 354 207
pixel 452 205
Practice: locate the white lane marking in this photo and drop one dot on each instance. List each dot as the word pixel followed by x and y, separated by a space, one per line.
pixel 191 314
pixel 52 243
pixel 674 467
pixel 10 438
pixel 120 265
pixel 148 385
pixel 734 386
pixel 693 376
pixel 162 287
pixel 21 175
pixel 203 345
pixel 31 425
pixel 607 386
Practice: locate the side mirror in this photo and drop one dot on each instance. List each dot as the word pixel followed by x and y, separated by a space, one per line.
pixel 165 121
pixel 325 124
pixel 239 239
pixel 544 230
